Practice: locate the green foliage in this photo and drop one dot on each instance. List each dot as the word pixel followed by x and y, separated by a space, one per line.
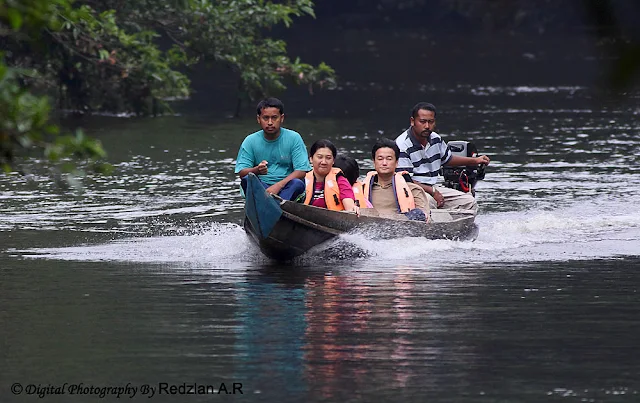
pixel 25 127
pixel 104 55
pixel 229 32
pixel 97 65
pixel 31 14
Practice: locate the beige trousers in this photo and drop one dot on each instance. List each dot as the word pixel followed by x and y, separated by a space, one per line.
pixel 454 200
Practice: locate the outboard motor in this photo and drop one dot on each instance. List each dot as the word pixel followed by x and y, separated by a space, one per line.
pixel 463 178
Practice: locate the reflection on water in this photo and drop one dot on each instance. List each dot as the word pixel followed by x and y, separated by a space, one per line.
pixel 352 326
pixel 344 334
pixel 271 334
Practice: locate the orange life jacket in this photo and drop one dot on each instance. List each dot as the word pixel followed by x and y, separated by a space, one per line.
pixel 331 189
pixel 404 197
pixel 358 192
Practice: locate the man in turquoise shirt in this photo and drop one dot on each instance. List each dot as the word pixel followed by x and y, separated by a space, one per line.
pixel 277 155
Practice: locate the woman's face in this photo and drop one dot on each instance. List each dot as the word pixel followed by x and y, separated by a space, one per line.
pixel 322 161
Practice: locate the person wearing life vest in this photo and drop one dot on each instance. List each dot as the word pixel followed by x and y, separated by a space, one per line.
pixel 360 198
pixel 351 170
pixel 390 191
pixel 327 186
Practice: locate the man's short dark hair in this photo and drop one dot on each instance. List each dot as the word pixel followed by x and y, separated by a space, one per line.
pixel 270 103
pixel 423 105
pixel 382 143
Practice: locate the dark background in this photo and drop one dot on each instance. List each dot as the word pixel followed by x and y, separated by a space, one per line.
pixel 395 52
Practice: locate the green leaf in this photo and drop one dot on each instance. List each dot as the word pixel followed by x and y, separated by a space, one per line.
pixel 15 18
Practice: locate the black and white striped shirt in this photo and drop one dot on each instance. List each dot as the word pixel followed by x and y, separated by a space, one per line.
pixel 422 162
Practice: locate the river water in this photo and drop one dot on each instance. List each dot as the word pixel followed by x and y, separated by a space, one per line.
pixel 146 277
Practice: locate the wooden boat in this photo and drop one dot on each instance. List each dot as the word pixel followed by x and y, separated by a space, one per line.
pixel 284 229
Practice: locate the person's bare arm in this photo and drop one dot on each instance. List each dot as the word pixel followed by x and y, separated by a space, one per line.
pixel 457 160
pixel 277 187
pixel 260 169
pixel 350 205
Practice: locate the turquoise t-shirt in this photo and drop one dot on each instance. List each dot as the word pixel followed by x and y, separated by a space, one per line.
pixel 285 154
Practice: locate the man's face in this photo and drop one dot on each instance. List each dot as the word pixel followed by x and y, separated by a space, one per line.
pixel 385 161
pixel 270 120
pixel 423 124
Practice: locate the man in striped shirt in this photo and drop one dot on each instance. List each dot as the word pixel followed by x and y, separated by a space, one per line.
pixel 423 152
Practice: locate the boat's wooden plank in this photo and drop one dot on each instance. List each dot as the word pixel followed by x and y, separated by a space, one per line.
pixel 311 224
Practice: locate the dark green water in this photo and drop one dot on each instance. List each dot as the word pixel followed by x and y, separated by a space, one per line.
pixel 146 278
pixel 352 332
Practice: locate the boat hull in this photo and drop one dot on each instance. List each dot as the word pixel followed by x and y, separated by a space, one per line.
pixel 284 230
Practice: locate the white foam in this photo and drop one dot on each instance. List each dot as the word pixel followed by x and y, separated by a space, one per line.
pixel 219 245
pixel 596 229
pixel 587 228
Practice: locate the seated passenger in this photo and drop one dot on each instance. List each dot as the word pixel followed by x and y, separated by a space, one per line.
pixel 423 152
pixel 351 170
pixel 327 186
pixel 390 191
pixel 275 154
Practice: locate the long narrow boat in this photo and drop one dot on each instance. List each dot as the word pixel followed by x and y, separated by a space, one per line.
pixel 285 229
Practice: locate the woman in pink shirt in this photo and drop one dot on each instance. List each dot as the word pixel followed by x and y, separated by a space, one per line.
pixel 322 155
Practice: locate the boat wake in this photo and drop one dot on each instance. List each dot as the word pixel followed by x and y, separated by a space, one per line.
pixel 573 233
pixel 217 246
pixel 598 229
